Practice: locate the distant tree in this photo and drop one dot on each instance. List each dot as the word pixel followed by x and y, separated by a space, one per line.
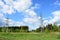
pixel 55 27
pixel 59 29
pixel 24 28
pixel 49 27
pixel 33 31
pixel 38 29
pixel 0 29
pixel 3 29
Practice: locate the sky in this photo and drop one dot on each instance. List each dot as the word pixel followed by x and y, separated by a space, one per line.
pixel 27 12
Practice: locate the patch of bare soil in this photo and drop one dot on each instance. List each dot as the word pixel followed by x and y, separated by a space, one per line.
pixel 55 32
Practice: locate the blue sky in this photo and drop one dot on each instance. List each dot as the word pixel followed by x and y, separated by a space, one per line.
pixel 27 12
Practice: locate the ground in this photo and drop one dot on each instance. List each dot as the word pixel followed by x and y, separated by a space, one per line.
pixel 30 36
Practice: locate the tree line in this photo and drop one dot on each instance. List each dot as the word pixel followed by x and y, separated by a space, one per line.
pixel 47 28
pixel 14 29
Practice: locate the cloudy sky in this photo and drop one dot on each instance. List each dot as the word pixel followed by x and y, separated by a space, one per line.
pixel 27 12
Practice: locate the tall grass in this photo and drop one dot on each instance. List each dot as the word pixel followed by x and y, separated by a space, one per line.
pixel 29 36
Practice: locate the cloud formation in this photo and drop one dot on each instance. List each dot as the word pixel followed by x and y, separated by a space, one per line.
pixel 30 19
pixel 9 6
pixel 56 17
pixel 25 6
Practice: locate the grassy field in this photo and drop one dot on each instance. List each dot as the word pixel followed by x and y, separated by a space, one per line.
pixel 29 36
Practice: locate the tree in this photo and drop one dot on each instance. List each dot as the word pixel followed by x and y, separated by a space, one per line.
pixel 49 27
pixel 24 28
pixel 59 29
pixel 38 29
pixel 55 27
pixel 0 29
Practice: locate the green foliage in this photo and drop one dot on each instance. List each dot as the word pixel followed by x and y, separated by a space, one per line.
pixel 14 29
pixel 24 29
pixel 46 30
pixel 49 27
pixel 0 29
pixel 3 29
pixel 59 29
pixel 38 29
pixel 58 37
pixel 29 36
pixel 55 28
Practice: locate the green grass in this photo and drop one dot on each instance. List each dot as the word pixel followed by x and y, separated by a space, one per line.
pixel 29 36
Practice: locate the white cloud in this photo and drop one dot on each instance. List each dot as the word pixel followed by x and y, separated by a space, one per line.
pixel 1 15
pixel 45 22
pixel 15 23
pixel 30 13
pixel 10 21
pixel 56 17
pixel 1 19
pixel 33 23
pixel 1 3
pixel 31 17
pixel 10 6
pixel 21 6
pixel 6 8
pixel 19 24
pixel 56 13
pixel 36 6
pixel 30 20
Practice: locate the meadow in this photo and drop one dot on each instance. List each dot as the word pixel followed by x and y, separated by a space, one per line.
pixel 29 36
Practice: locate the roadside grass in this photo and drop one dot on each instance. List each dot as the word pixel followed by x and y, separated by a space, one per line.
pixel 29 36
